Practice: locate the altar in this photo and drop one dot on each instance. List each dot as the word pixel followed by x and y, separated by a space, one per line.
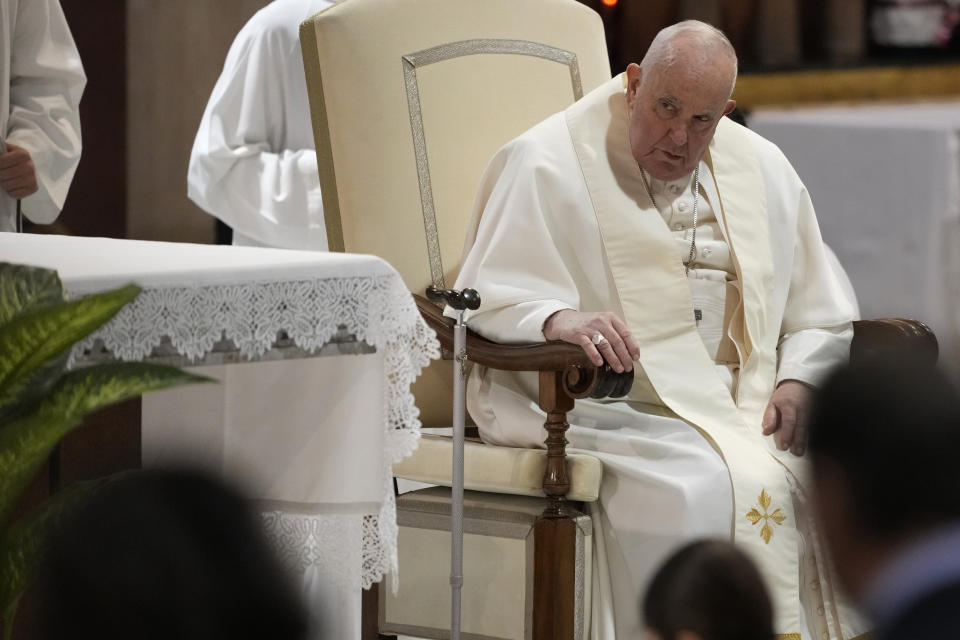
pixel 315 353
pixel 885 182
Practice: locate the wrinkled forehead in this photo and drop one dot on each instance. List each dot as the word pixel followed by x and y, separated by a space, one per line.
pixel 698 87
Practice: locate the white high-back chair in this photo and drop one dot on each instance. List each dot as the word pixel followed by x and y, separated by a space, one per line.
pixel 409 102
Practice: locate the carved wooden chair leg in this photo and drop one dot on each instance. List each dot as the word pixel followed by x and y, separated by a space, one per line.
pixel 555 401
pixel 554 578
pixel 370 615
pixel 555 534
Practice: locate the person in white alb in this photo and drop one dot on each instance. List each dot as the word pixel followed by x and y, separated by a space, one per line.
pixel 253 163
pixel 662 237
pixel 254 166
pixel 42 80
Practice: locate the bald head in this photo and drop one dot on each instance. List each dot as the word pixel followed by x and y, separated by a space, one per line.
pixel 676 97
pixel 691 44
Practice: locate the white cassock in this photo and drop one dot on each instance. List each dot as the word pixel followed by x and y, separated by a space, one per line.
pixel 43 80
pixel 254 166
pixel 253 163
pixel 567 223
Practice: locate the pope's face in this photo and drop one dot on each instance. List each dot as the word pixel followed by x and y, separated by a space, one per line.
pixel 673 113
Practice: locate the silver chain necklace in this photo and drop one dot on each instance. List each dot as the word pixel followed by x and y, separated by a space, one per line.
pixel 696 200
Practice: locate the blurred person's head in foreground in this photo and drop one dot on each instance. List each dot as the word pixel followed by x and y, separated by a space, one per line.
pixel 884 445
pixel 708 590
pixel 165 554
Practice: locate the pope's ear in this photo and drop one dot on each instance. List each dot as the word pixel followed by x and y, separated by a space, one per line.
pixel 731 105
pixel 634 72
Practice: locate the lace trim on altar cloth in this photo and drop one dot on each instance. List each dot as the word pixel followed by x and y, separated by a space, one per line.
pixel 329 542
pixel 376 309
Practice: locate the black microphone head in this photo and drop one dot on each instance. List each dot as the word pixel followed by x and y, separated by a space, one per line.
pixel 455 299
pixel 471 299
pixel 435 294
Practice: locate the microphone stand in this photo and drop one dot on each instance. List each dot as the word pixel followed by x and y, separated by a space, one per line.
pixel 460 301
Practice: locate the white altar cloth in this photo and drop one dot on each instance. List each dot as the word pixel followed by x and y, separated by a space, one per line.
pixel 885 181
pixel 313 439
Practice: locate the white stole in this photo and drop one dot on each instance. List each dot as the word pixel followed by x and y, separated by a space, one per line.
pixel 655 297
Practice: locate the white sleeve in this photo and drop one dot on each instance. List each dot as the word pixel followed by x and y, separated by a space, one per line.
pixel 514 263
pixel 240 170
pixel 817 324
pixel 46 82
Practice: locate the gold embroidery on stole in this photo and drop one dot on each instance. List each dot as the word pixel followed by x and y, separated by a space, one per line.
pixel 755 516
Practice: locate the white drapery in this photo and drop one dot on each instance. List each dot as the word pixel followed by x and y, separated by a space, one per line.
pixel 314 442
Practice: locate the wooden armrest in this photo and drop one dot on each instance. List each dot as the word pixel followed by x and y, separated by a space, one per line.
pixel 872 338
pixel 566 373
pixel 542 356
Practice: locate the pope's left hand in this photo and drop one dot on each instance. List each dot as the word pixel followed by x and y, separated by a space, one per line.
pixel 786 416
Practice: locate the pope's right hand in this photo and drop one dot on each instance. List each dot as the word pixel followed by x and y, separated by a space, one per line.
pixel 603 336
pixel 17 174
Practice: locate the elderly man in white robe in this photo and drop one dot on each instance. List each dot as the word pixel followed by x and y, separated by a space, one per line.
pixel 253 163
pixel 644 226
pixel 42 80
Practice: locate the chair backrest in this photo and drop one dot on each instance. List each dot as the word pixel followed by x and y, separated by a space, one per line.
pixel 411 99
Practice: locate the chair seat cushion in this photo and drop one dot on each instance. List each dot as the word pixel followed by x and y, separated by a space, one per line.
pixel 498 469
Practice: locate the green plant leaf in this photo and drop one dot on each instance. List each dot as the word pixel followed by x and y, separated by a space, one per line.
pixel 23 287
pixel 34 386
pixel 32 338
pixel 26 442
pixel 21 545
